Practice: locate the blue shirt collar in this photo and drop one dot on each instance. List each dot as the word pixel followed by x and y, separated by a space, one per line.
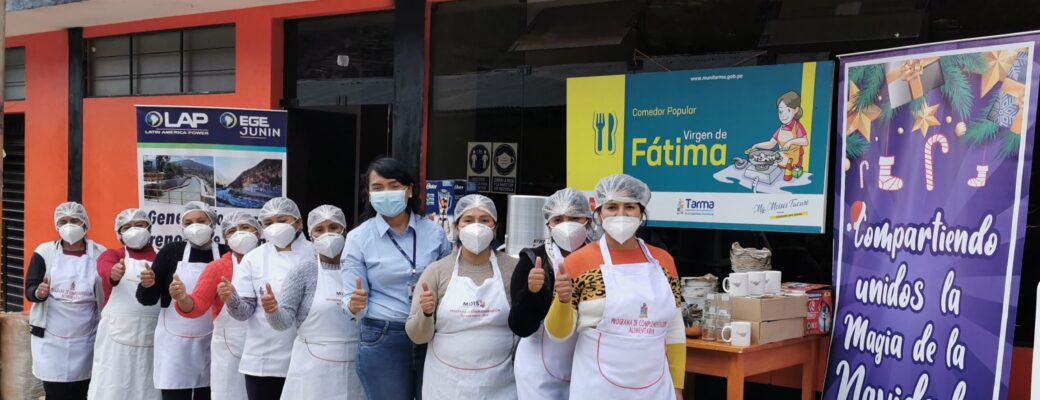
pixel 383 228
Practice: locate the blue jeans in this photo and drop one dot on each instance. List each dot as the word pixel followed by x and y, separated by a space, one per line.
pixel 389 365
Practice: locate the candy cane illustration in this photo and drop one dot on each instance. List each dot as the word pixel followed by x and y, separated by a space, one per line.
pixel 862 164
pixel 929 174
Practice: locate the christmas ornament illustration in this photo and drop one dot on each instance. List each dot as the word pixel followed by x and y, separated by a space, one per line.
pixel 886 181
pixel 863 164
pixel 979 180
pixel 929 161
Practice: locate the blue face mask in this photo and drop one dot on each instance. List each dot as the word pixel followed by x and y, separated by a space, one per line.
pixel 388 203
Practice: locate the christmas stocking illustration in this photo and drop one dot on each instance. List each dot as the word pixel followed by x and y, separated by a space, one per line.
pixel 886 181
pixel 980 180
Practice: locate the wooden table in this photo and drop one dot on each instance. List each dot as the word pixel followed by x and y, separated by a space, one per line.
pixel 736 363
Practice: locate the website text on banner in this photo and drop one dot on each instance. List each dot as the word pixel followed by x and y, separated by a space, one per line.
pixel 233 159
pixel 930 218
pixel 738 148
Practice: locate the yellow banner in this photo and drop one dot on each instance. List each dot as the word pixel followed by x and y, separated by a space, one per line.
pixel 595 105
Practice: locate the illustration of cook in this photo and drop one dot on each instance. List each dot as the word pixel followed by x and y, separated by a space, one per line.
pixel 790 137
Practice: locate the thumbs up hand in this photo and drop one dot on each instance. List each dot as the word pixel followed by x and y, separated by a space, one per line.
pixel 44 290
pixel 225 289
pixel 564 287
pixel 358 299
pixel 117 271
pixel 427 301
pixel 177 289
pixel 536 278
pixel 268 301
pixel 147 276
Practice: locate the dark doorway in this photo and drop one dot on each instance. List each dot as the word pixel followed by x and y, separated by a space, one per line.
pixel 339 85
pixel 329 149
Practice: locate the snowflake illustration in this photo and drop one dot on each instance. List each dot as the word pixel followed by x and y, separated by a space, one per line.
pixel 1004 110
pixel 1019 68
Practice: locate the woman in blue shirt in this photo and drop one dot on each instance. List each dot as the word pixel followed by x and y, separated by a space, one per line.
pixel 390 250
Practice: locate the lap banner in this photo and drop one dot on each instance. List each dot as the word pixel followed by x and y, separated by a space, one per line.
pixel 232 159
pixel 933 183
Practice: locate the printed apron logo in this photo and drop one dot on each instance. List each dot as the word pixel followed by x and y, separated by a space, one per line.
pixel 604 127
pixel 475 303
pixel 643 311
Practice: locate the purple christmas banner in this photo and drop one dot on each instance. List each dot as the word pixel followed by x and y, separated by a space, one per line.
pixel 930 218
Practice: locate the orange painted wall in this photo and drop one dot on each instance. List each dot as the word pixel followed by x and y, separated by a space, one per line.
pixel 46 126
pixel 109 139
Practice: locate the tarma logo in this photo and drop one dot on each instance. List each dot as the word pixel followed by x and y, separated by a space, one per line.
pixel 695 207
pixel 228 120
pixel 153 119
pixel 604 126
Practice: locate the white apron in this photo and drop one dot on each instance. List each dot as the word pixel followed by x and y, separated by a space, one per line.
pixel 267 351
pixel 471 351
pixel 123 352
pixel 543 364
pixel 624 356
pixel 182 344
pixel 229 336
pixel 326 346
pixel 66 350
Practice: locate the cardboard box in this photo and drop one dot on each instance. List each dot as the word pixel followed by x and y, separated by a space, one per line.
pixel 768 308
pixel 775 331
pixel 819 309
pixel 441 196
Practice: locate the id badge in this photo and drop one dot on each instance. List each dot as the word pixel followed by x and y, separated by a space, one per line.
pixel 411 292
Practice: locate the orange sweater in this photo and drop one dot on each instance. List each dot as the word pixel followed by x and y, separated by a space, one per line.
pixel 204 295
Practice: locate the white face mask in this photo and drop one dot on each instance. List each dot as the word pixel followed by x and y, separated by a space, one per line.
pixel 280 234
pixel 242 242
pixel 136 237
pixel 569 235
pixel 621 228
pixel 71 233
pixel 198 234
pixel 476 237
pixel 330 244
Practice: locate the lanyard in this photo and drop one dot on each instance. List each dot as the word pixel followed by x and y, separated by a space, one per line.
pixel 411 260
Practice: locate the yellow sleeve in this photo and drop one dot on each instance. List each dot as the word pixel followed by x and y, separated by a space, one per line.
pixel 677 363
pixel 559 322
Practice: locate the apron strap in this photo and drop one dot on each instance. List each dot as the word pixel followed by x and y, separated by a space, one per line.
pixel 607 260
pixel 496 272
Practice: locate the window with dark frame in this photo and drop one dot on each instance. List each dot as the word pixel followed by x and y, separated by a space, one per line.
pixel 189 61
pixel 14 73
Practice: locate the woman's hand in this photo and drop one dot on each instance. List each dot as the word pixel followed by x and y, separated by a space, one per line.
pixel 536 279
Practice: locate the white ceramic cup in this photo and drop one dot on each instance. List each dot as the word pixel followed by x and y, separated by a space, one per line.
pixel 756 283
pixel 736 284
pixel 773 279
pixel 737 333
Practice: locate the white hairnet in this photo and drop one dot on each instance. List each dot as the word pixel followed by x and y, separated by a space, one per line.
pixel 622 188
pixel 279 206
pixel 130 215
pixel 238 218
pixel 200 206
pixel 475 201
pixel 325 213
pixel 71 209
pixel 569 202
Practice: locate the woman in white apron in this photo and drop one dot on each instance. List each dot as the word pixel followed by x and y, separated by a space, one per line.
pixel 543 366
pixel 242 233
pixel 266 354
pixel 127 328
pixel 63 285
pixel 311 300
pixel 182 345
pixel 631 341
pixel 461 308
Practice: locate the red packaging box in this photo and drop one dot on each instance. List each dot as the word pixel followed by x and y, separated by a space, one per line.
pixel 820 308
